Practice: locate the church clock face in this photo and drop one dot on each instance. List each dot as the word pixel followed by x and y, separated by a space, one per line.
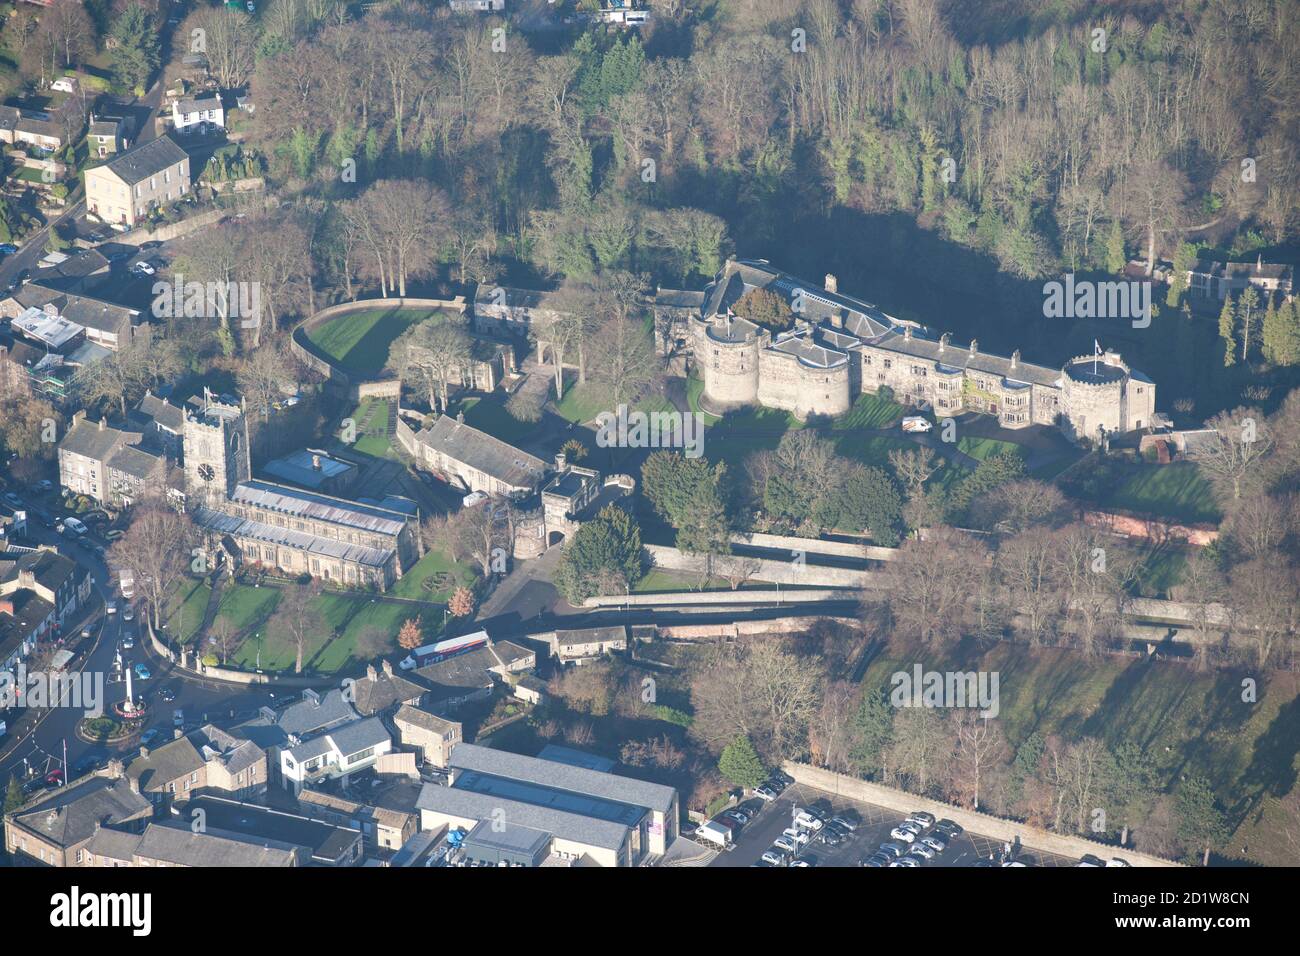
pixel 207 472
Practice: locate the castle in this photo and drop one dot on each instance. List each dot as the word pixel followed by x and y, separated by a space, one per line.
pixel 841 347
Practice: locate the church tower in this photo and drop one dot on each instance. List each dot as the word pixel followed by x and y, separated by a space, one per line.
pixel 216 451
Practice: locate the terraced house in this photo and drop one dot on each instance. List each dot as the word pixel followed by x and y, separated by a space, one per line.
pixel 840 347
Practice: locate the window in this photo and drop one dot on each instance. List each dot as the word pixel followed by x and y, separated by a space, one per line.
pixel 889 363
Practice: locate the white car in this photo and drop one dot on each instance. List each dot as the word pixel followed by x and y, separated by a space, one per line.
pixel 922 819
pixel 902 833
pixel 906 861
pixel 915 423
pixel 110 607
pixel 473 498
pixel 921 850
pixel 784 843
pixel 1116 861
pixel 934 843
pixel 775 859
pixel 808 821
pixel 798 836
pixel 144 269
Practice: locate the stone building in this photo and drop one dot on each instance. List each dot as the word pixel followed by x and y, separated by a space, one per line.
pixel 216 450
pixel 841 347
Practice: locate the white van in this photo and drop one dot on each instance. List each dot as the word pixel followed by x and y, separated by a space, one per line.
pixel 75 525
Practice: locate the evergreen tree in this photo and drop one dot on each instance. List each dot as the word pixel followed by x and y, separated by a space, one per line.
pixel 1247 318
pixel 136 55
pixel 1184 259
pixel 741 765
pixel 605 553
pixel 1201 823
pixel 13 795
pixel 873 733
pixel 1115 258
pixel 1227 321
pixel 1280 340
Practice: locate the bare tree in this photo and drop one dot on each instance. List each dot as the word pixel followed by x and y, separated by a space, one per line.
pixel 979 745
pixel 1232 458
pixel 297 616
pixel 156 546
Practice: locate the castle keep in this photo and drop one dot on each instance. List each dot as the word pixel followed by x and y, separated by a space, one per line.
pixel 841 347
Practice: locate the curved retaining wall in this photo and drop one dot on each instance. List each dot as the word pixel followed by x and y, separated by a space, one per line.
pixel 314 358
pixel 198 669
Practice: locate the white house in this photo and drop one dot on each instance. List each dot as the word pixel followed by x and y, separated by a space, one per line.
pixel 336 752
pixel 195 114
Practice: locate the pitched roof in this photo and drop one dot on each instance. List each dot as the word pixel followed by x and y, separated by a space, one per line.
pixel 153 409
pixel 590 635
pixel 171 761
pixel 135 462
pixel 238 527
pixel 88 439
pixel 148 159
pixel 310 504
pixel 560 823
pixel 417 717
pixel 482 452
pixel 177 844
pixel 72 813
pixel 607 786
pixel 370 696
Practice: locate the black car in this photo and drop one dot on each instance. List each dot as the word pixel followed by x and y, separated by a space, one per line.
pixel 830 836
pixel 167 694
pixel 948 829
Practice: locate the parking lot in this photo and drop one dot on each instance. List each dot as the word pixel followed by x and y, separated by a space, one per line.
pixel 877 822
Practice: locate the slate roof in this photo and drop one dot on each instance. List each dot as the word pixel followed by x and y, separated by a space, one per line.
pixel 154 409
pixel 422 718
pixel 461 674
pixel 82 309
pixel 175 759
pixel 310 504
pixel 606 786
pixel 113 844
pixel 236 526
pixel 590 635
pixel 177 844
pixel 482 452
pixel 135 462
pixel 71 813
pixel 148 159
pixel 958 356
pixel 49 568
pixel 386 690
pixel 88 439
pixel 559 823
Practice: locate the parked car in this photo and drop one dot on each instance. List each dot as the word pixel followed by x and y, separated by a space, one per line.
pixel 773 858
pixel 795 835
pixel 934 843
pixel 54 778
pixel 847 820
pixel 786 844
pixel 1089 860
pixel 128 613
pixel 808 820
pixel 892 849
pixel 142 672
pixel 831 836
pixel 915 423
pixel 924 819
pixel 1117 861
pixel 921 850
pixel 149 736
pixel 909 861
pixel 13 500
pixel 168 695
pixel 903 833
pixel 876 862
pixel 144 269
pixel 87 764
pixel 766 794
pixel 948 829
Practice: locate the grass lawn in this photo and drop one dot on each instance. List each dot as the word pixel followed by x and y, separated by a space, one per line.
pixel 490 415
pixel 185 609
pixel 870 411
pixel 1174 491
pixel 245 605
pixel 660 580
pixel 359 342
pixel 985 448
pixel 1185 721
pixel 371 418
pixel 582 403
pixel 417 582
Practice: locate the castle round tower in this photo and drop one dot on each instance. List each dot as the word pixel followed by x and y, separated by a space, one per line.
pixel 726 352
pixel 1094 396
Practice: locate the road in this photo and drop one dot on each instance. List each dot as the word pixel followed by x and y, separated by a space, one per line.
pixel 198 699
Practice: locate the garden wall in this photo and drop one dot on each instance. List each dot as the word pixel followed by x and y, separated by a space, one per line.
pixel 1009 831
pixel 776 572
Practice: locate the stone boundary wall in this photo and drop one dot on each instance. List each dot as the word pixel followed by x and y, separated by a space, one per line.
pixel 315 359
pixel 705 598
pixel 405 436
pixel 198 669
pixel 776 572
pixel 172 230
pixel 736 629
pixel 1151 529
pixel 842 549
pixel 387 388
pixel 997 828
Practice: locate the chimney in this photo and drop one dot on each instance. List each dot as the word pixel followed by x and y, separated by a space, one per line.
pixel 115 769
pixel 1015 358
pixel 974 347
pixel 102 426
pixel 943 341
pixel 144 753
pixel 460 417
pixel 311 696
pixel 371 674
pixel 832 284
pixel 315 462
pixel 1259 262
pixel 388 666
pixel 561 460
pixel 178 733
pixel 907 333
pixel 837 320
pixel 133 783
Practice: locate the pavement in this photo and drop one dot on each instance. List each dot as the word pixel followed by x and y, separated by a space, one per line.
pixel 874 829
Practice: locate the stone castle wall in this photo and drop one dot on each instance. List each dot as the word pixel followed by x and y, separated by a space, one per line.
pixel 730 369
pixel 785 382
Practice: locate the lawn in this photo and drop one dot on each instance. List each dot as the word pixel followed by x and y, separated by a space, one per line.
pixel 371 420
pixel 490 415
pixel 418 584
pixel 1176 491
pixel 658 580
pixel 1186 721
pixel 870 411
pixel 185 609
pixel 359 342
pixel 582 403
pixel 985 448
